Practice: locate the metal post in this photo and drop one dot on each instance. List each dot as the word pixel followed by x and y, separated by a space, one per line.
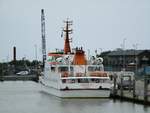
pixel 124 62
pixel 130 83
pixel 36 61
pixel 134 95
pixel 88 54
pixel 38 73
pixel 121 87
pixel 2 73
pixel 115 83
pixel 145 88
pixel 135 58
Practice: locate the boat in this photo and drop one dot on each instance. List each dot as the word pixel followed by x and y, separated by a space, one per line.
pixel 68 73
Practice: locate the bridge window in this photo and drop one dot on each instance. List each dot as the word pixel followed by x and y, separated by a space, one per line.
pixel 60 69
pixel 63 80
pixel 95 68
pixel 52 68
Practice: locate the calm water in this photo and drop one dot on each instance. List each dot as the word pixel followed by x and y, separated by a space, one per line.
pixel 28 97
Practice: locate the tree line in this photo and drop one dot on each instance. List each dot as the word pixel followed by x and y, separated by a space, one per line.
pixel 13 67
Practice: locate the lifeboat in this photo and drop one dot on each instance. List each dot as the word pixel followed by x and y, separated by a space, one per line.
pixel 98 74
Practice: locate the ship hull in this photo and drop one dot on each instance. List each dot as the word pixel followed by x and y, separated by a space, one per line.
pixel 54 89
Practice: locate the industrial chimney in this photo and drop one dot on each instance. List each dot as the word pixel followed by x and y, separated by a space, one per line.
pixel 14 53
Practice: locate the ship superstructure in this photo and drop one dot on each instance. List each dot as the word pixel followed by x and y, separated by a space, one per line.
pixel 67 69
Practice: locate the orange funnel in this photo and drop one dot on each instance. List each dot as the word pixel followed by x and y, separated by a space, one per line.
pixel 79 57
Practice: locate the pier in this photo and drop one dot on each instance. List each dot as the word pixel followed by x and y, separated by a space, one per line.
pixel 138 90
pixel 20 77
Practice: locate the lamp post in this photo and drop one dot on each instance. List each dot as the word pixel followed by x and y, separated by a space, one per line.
pixel 100 50
pixel 36 61
pixel 124 63
pixel 88 54
pixel 3 68
pixel 35 52
pixel 135 57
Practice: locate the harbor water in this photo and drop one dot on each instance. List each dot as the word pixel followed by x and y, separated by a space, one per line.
pixel 29 97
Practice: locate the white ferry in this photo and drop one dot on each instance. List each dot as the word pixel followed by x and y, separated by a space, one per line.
pixel 69 74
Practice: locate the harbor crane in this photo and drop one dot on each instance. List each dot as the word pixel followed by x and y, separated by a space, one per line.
pixel 43 36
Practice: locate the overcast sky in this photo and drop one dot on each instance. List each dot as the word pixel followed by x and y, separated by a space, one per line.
pixel 96 23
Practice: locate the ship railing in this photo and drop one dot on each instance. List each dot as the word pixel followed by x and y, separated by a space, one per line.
pixel 88 74
pixel 94 80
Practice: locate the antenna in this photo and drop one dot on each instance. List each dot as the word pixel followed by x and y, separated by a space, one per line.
pixel 43 36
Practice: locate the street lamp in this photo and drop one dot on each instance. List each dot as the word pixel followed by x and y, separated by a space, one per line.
pixel 88 54
pixel 100 50
pixel 36 61
pixel 35 52
pixel 124 54
pixel 135 57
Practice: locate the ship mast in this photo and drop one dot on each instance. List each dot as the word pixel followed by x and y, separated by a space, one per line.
pixel 68 31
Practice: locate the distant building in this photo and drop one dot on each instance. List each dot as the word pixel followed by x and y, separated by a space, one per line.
pixel 130 60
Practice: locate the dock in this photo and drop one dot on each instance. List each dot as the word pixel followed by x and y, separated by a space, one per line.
pixel 139 92
pixel 128 96
pixel 19 77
